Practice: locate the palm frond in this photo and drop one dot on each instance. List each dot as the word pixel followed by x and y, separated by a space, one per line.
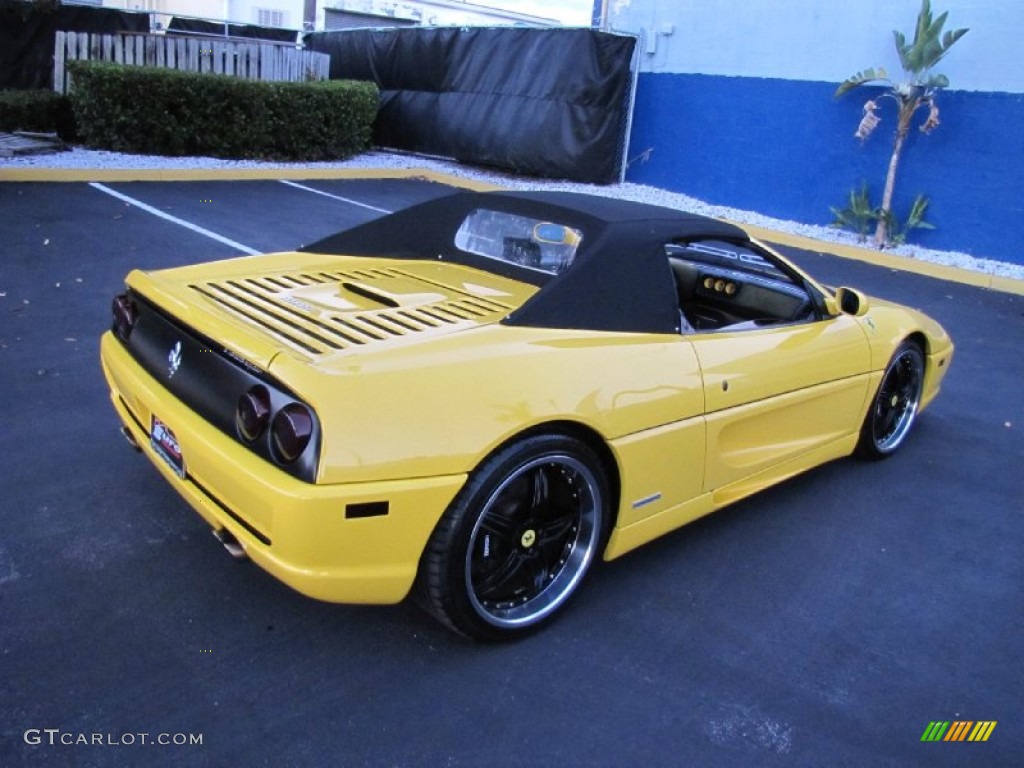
pixel 930 45
pixel 867 76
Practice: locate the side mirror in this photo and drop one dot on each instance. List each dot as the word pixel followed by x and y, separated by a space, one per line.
pixel 850 301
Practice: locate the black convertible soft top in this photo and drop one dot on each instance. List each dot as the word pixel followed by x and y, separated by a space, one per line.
pixel 620 279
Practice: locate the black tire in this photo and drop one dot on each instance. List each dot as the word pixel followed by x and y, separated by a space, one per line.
pixel 894 408
pixel 518 539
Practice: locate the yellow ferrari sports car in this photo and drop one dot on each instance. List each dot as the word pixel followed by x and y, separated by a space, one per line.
pixel 473 399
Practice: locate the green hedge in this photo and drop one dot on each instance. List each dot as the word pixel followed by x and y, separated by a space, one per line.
pixel 39 111
pixel 165 112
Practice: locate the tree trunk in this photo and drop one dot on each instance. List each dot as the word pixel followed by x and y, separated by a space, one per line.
pixel 907 110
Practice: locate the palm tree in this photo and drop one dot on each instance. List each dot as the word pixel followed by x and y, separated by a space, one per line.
pixel 915 92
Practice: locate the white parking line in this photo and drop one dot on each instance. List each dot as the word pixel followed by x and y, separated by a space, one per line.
pixel 334 197
pixel 174 219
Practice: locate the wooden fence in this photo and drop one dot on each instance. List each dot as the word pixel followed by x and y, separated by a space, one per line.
pixel 250 60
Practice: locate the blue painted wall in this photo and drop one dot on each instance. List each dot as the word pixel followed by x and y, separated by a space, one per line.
pixel 735 106
pixel 786 148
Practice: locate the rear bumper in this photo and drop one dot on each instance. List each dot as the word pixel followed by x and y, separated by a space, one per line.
pixel 347 543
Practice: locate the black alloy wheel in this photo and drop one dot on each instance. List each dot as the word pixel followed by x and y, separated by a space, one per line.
pixel 518 539
pixel 894 409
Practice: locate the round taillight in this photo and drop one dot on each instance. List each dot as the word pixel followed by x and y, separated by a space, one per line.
pixel 290 432
pixel 126 314
pixel 253 412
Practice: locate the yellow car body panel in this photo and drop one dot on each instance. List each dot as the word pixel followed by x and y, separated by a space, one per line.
pixel 415 380
pixel 296 531
pixel 761 413
pixel 887 325
pixel 508 380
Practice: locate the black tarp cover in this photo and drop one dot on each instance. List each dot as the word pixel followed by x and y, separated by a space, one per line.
pixel 543 102
pixel 213 28
pixel 27 37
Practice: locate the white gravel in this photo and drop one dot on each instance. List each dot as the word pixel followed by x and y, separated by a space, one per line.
pixel 87 159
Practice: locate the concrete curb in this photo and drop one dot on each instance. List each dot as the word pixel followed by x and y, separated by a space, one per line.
pixel 892 261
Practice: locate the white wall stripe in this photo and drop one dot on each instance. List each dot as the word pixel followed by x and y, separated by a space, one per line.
pixel 816 41
pixel 174 219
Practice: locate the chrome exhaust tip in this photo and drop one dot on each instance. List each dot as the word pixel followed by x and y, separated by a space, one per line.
pixel 231 544
pixel 131 439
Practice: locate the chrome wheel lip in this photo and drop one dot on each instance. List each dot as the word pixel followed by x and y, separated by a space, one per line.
pixel 904 397
pixel 584 535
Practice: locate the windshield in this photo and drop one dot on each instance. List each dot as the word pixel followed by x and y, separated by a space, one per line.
pixel 730 256
pixel 542 245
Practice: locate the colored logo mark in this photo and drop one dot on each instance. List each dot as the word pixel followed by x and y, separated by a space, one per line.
pixel 959 730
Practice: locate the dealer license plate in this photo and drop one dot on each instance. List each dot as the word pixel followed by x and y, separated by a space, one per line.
pixel 166 444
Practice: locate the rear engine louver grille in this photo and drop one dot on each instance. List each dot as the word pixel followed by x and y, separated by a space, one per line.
pixel 268 303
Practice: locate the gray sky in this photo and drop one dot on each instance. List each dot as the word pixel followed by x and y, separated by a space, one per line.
pixel 572 12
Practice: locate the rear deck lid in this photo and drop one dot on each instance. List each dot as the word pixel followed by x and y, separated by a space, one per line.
pixel 319 307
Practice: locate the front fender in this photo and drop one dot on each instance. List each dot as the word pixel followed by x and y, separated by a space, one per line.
pixel 889 325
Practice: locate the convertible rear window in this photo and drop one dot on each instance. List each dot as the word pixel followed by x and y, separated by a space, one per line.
pixel 534 243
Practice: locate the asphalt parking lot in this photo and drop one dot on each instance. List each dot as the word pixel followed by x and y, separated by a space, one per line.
pixel 826 621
